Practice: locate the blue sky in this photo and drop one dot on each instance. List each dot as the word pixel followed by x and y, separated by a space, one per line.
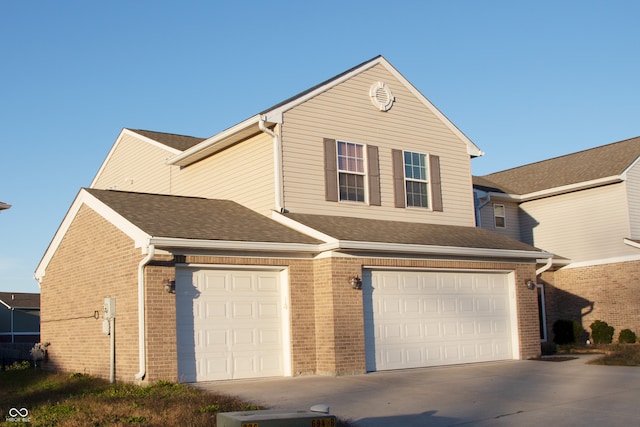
pixel 524 80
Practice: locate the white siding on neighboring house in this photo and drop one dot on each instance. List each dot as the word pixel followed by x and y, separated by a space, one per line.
pixel 242 173
pixel 586 225
pixel 136 165
pixel 346 113
pixel 512 220
pixel 633 201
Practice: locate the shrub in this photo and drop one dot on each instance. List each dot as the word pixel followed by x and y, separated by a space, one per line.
pixel 563 332
pixel 627 336
pixel 579 334
pixel 601 332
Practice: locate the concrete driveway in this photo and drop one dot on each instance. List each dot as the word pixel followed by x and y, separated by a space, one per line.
pixel 511 393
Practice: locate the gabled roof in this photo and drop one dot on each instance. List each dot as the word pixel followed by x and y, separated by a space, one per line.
pixel 397 236
pixel 20 300
pixel 596 166
pixel 178 142
pixel 251 126
pixel 4 206
pixel 195 218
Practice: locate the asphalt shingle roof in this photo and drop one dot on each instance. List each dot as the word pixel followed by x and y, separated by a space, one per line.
pixel 600 162
pixel 410 233
pixel 197 218
pixel 179 142
pixel 20 299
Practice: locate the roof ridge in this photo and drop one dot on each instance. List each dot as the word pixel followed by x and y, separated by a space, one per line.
pixel 561 156
pixel 165 133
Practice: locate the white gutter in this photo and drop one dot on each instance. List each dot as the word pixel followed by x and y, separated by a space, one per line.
pixel 142 349
pixel 277 168
pixel 545 267
pixel 432 250
pixel 168 242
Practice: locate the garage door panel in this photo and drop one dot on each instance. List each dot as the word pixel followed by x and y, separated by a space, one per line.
pixel 229 324
pixel 434 318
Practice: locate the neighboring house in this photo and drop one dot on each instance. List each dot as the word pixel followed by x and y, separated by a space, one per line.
pixel 585 208
pixel 19 317
pixel 330 234
pixel 4 206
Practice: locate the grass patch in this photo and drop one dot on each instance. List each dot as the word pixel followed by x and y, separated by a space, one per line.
pixel 56 399
pixel 619 355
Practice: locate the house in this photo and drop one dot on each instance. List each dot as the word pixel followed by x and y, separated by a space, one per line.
pixel 19 317
pixel 332 233
pixel 584 207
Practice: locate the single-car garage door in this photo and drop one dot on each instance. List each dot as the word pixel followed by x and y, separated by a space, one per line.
pixel 230 324
pixel 417 319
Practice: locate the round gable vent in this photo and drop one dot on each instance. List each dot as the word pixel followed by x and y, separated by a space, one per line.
pixel 381 96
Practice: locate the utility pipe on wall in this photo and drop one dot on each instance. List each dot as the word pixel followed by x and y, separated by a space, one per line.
pixel 142 351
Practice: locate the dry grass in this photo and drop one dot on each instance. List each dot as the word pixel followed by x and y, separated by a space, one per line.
pixel 620 355
pixel 79 400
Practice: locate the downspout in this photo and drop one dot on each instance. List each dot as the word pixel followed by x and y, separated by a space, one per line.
pixel 142 350
pixel 545 267
pixel 479 205
pixel 277 168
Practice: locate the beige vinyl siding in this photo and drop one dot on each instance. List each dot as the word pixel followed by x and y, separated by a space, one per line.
pixel 135 165
pixel 346 113
pixel 242 173
pixel 512 220
pixel 584 225
pixel 632 185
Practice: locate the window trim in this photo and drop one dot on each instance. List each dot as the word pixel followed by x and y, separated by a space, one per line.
pixel 426 181
pixel 496 216
pixel 364 173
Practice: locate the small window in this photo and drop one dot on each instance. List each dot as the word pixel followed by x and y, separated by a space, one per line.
pixel 416 183
pixel 499 216
pixel 351 171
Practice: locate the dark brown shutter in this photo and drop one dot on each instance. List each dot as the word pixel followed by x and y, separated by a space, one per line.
pixel 374 175
pixel 330 171
pixel 436 184
pixel 398 179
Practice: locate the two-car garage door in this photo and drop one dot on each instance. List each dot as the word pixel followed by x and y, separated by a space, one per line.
pixel 418 319
pixel 230 324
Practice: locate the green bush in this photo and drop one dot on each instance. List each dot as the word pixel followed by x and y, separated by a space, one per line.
pixel 579 334
pixel 601 332
pixel 563 332
pixel 627 336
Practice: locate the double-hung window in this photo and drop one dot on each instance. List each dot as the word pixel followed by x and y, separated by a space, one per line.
pixel 351 172
pixel 416 179
pixel 499 216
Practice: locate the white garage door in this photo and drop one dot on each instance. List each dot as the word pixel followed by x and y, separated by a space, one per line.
pixel 417 319
pixel 230 324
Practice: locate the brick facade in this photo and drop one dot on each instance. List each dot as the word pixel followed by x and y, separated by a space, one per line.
pixel 95 260
pixel 608 292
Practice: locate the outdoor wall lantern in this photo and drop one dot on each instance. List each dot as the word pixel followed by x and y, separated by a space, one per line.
pixel 531 285
pixel 355 282
pixel 169 286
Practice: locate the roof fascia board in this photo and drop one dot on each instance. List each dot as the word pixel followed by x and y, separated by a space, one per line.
pixel 170 242
pixel 276 115
pixel 623 175
pixel 127 132
pixel 215 143
pixel 85 198
pixel 570 188
pixel 432 249
pixel 603 261
pixel 304 229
